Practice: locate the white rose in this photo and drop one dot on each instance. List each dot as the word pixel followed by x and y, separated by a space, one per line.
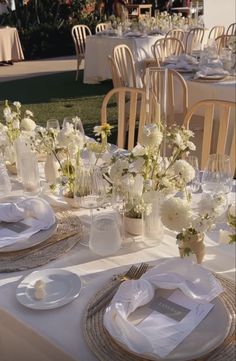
pixel 28 124
pixel 29 113
pixel 152 136
pixel 191 145
pixel 176 214
pixel 17 104
pixel 184 170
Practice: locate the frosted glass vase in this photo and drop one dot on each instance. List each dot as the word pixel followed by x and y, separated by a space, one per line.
pixel 51 169
pixel 153 227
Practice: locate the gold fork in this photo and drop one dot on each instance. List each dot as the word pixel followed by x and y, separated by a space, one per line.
pixel 106 297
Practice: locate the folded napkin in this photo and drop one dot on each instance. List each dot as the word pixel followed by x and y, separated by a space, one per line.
pixel 188 58
pixel 158 335
pixel 23 218
pixel 181 65
pixel 214 71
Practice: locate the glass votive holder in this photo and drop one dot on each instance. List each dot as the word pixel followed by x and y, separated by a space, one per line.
pixel 105 238
pixel 30 172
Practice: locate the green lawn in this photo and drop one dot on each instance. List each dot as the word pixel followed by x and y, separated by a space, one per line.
pixel 57 96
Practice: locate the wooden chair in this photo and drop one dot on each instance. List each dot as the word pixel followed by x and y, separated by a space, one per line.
pixel 194 37
pixel 175 84
pixel 166 47
pixel 116 79
pixel 124 62
pixel 101 27
pixel 216 31
pixel 127 121
pixel 231 30
pixel 218 128
pixel 175 33
pixel 79 34
pixel 223 42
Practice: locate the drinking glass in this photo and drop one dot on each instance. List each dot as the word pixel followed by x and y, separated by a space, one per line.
pixel 29 172
pixel 105 238
pixel 5 183
pixel 53 124
pixel 217 175
pixel 76 121
pixel 89 191
pixel 195 184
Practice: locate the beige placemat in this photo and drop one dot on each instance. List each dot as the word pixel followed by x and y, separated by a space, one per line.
pixel 106 349
pixel 68 234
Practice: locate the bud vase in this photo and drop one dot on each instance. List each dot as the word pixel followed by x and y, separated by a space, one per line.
pixel 133 225
pixel 195 244
pixel 51 169
pixel 153 227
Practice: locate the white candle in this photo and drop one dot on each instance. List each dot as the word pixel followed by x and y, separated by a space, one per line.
pixel 147 92
pixel 165 95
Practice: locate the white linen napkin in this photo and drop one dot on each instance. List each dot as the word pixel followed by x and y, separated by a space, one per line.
pixel 35 213
pixel 208 71
pixel 158 335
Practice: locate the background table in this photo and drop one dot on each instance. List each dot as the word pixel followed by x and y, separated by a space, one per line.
pixel 98 47
pixel 27 335
pixel 10 46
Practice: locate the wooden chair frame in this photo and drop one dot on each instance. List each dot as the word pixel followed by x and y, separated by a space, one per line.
pixel 124 62
pixel 231 30
pixel 79 34
pixel 216 31
pixel 224 107
pixel 194 36
pixel 116 79
pixel 176 33
pixel 137 113
pixel 157 78
pixel 166 47
pixel 222 42
pixel 101 27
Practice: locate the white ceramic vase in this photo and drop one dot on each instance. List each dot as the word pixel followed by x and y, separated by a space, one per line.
pixel 133 225
pixel 51 169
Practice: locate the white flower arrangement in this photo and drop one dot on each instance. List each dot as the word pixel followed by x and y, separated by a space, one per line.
pixel 178 215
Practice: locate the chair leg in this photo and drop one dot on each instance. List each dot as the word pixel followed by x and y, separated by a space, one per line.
pixel 77 71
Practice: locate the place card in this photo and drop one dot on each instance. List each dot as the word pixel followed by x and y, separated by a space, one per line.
pixel 17 227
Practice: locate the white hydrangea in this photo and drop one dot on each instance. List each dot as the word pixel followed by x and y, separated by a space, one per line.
pixel 176 214
pixel 152 136
pixel 28 124
pixel 184 170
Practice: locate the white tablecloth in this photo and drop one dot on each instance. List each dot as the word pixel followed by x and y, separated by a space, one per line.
pixel 10 46
pixel 27 335
pixel 98 47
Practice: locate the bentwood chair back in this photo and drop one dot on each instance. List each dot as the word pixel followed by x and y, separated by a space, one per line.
pixel 166 47
pixel 193 39
pixel 176 89
pixel 176 33
pixel 79 34
pixel 216 31
pixel 130 120
pixel 116 79
pixel 219 129
pixel 101 27
pixel 231 30
pixel 124 62
pixel 223 42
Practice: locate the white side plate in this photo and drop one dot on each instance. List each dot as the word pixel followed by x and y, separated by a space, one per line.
pixel 61 287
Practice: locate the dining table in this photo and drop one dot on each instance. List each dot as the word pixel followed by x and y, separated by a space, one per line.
pixel 99 47
pixel 57 334
pixel 10 45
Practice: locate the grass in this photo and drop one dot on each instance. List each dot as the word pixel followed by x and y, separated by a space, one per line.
pixel 57 96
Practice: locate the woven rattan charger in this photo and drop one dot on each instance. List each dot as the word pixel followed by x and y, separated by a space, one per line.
pixel 68 234
pixel 106 349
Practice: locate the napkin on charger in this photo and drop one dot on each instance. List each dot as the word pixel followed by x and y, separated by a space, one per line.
pixel 211 71
pixel 34 212
pixel 158 335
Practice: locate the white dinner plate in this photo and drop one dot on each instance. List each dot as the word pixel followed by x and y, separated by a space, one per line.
pixel 212 77
pixel 35 239
pixel 61 287
pixel 208 335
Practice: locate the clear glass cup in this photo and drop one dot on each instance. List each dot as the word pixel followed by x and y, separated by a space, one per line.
pixel 5 183
pixel 226 58
pixel 195 184
pixel 76 121
pixel 30 172
pixel 53 124
pixel 217 175
pixel 89 191
pixel 105 238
